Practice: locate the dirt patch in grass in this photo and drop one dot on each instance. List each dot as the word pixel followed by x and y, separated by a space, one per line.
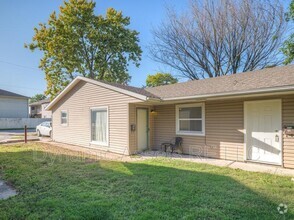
pixel 6 190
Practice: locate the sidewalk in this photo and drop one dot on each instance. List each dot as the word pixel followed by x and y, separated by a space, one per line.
pixel 248 166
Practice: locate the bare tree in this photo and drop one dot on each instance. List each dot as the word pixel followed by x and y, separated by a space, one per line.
pixel 220 37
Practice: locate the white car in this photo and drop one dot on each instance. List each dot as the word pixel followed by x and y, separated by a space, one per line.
pixel 44 129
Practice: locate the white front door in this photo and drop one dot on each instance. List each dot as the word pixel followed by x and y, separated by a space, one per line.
pixel 263 127
pixel 142 129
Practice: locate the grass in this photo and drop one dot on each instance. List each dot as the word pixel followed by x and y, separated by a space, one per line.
pixel 61 184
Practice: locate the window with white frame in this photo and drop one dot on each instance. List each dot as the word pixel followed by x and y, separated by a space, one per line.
pixel 63 118
pixel 99 126
pixel 190 119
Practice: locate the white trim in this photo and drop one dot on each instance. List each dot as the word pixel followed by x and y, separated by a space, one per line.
pixel 64 124
pixel 245 130
pixel 280 131
pixel 191 133
pixel 98 143
pixel 148 125
pixel 100 107
pixel 128 128
pixel 95 82
pixel 105 144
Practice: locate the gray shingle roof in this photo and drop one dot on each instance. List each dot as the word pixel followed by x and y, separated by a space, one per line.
pixel 259 79
pixel 41 102
pixel 7 93
pixel 269 79
pixel 137 90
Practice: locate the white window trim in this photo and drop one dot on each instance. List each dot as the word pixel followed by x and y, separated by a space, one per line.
pixel 191 133
pixel 64 124
pixel 106 144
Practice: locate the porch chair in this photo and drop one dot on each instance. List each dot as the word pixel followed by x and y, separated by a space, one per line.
pixel 177 144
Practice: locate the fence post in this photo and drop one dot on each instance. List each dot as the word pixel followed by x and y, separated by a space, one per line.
pixel 25 134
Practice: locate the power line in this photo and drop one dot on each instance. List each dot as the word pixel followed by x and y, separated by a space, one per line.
pixel 14 64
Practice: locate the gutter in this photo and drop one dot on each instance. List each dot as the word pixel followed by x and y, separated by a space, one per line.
pixel 153 99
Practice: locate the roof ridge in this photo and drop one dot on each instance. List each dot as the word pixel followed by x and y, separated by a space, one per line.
pixel 239 74
pixel 47 100
pixel 265 78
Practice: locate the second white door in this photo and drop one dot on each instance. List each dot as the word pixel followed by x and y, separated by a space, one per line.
pixel 263 131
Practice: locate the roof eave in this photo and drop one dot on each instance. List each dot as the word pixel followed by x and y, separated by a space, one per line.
pixel 227 94
pixel 153 99
pixel 104 85
pixel 17 97
pixel 60 95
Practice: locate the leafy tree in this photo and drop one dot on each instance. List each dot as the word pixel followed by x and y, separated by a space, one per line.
pixel 160 79
pixel 288 47
pixel 220 37
pixel 78 42
pixel 37 97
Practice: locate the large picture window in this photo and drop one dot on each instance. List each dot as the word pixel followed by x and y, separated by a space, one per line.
pixel 99 126
pixel 190 119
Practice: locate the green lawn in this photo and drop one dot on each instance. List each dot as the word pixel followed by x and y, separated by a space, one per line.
pixel 60 184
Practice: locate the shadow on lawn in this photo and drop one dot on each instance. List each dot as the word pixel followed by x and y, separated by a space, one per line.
pixel 78 188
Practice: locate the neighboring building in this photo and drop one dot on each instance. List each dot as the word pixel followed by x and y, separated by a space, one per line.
pixel 38 109
pixel 13 105
pixel 242 117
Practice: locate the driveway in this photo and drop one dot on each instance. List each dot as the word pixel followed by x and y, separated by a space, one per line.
pixel 18 131
pixel 16 134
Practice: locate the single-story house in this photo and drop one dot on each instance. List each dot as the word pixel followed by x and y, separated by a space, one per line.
pixel 243 117
pixel 38 109
pixel 13 105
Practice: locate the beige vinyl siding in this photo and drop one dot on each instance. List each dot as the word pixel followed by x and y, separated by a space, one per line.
pixel 288 142
pixel 224 123
pixel 132 134
pixel 224 129
pixel 78 102
pixel 133 120
pixel 165 130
